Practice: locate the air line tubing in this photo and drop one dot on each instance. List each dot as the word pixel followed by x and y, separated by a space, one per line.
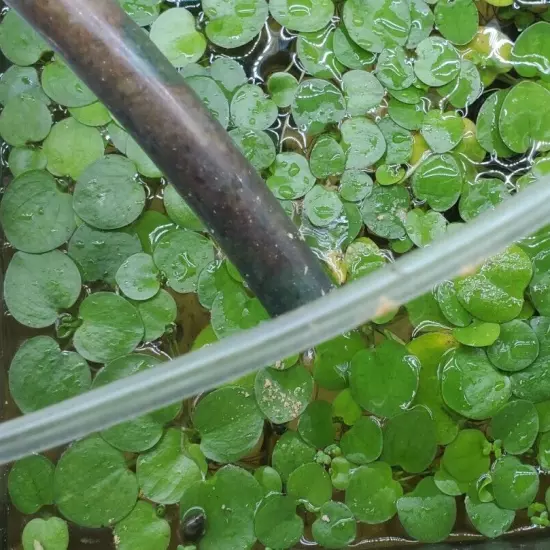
pixel 325 318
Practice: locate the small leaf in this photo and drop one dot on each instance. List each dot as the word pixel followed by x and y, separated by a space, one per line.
pixel 335 526
pixel 384 211
pixel 516 425
pixel 138 277
pixel 424 227
pixel 309 484
pixel 488 518
pixel 30 483
pixel 465 458
pixel 515 485
pixel 50 534
pixel 290 452
pixel 442 131
pixel 437 61
pixel 477 334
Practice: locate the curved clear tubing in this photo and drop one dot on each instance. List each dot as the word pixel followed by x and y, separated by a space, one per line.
pixel 325 318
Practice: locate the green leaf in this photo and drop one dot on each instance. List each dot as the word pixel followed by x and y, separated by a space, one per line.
pixel 24 120
pixel 36 215
pixel 317 103
pixel 269 479
pixel 108 195
pixel 301 15
pixel 516 348
pixel 322 206
pixel 487 517
pixel 531 51
pixel 309 484
pixel 362 91
pixel 449 485
pixel 25 159
pixel 437 61
pixel 282 87
pixel 438 181
pixel 179 211
pixel 515 485
pixel 394 70
pixel 289 453
pixel 457 20
pixel 145 166
pixel 316 54
pixel 410 440
pixel 335 526
pixel 384 211
pixel 256 146
pixel 64 87
pixel 111 327
pixel 446 296
pixel 228 73
pixel 276 523
pixel 50 534
pixel 142 529
pixel 384 380
pixel 143 12
pixel 157 314
pixel 523 119
pixel 346 409
pixel 481 195
pixel 429 348
pixel 252 109
pixel 362 142
pixel 41 374
pixel 465 88
pixel 181 255
pixel 348 53
pixel 99 254
pixel 409 116
pixel 355 185
pixel 372 494
pixel 229 500
pixel 93 486
pixel 424 227
pixel 363 257
pixel 37 287
pixel 425 314
pixel 442 130
pixel 137 277
pixel 95 114
pixel 466 458
pixel 291 177
pixel 232 24
pixel 212 96
pixel 326 158
pixel 516 425
pixel 477 334
pixel 21 82
pixel 543 452
pixel 144 432
pixel 166 471
pixel 495 292
pixel 377 25
pixel 471 386
pixel 426 513
pixel 71 147
pixel 543 410
pixel 214 278
pixel 19 42
pixel 316 426
pixel 229 422
pixel 399 141
pixel 30 483
pixel 422 22
pixel 488 133
pixel 175 35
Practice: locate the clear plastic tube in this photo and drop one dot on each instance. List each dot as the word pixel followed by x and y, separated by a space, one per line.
pixel 325 318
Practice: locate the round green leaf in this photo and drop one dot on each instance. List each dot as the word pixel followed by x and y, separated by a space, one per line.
pixel 276 523
pixel 282 87
pixel 283 395
pixel 355 185
pixel 37 287
pixel 181 255
pixel 232 24
pixel 477 334
pixel 466 458
pixel 326 158
pixel 487 124
pixel 442 131
pixel 179 211
pixel 310 484
pixel 229 423
pixel 21 82
pixel 399 141
pixel 410 440
pixel 422 22
pixel 157 314
pixel 335 526
pixel 445 294
pixel 316 54
pixel 256 146
pixel 465 88
pixel 269 479
pixel 291 177
pixel 214 278
pixel 25 159
pixel 531 52
pixel 315 424
pixel 362 91
pixel 229 500
pixel 437 61
pixel 362 443
pixel 516 348
pixel 384 379
pixel 426 513
pixel 384 211
pixel 51 534
pixel 322 206
pixel 471 386
pixel 71 147
pixel 175 35
pixel 457 20
pixel 424 227
pixel 362 142
pixel 252 109
pixel 302 15
pixel 145 166
pixel 137 277
pixel 449 485
pixel 24 120
pixel 228 73
pixel 372 493
pixel 543 452
pixel 30 483
pixel 407 115
pixel 150 227
pixel 99 254
pixel 111 327
pixel 516 425
pixel 64 87
pixel 515 485
pixel 481 195
pixel 36 215
pixel 93 486
pixel 316 104
pixel 142 529
pixel 166 471
pixel 349 53
pixel 95 114
pixel 289 453
pixel 212 96
pixel 377 25
pixel 394 70
pixel 487 517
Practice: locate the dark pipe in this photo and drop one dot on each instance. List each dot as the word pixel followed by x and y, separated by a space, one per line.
pixel 127 72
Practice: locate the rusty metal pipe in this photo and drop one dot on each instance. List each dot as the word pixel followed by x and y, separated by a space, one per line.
pixel 127 72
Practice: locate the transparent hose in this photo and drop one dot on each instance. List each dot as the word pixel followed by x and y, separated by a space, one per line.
pixel 341 310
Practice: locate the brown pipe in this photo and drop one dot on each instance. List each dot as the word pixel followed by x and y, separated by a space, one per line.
pixel 127 72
